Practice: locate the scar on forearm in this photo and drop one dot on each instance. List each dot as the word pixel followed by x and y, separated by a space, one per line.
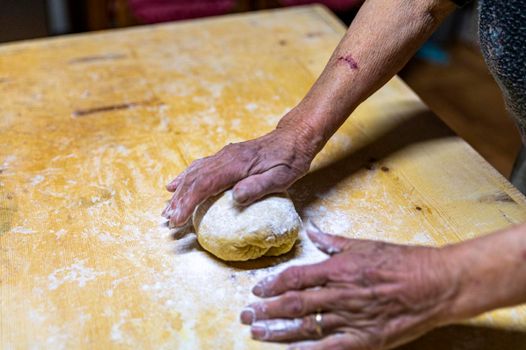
pixel 353 65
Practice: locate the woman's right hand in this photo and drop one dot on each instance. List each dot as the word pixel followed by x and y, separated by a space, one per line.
pixel 255 168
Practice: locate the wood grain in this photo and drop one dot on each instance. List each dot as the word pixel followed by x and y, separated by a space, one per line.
pixel 93 126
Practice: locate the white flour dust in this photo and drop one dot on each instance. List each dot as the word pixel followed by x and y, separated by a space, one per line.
pixel 76 273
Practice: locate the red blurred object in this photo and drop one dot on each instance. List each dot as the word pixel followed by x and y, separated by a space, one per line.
pixel 155 11
pixel 335 5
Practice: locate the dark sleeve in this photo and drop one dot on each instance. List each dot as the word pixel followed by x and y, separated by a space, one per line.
pixel 461 3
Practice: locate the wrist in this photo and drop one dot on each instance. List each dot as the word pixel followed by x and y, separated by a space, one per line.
pixel 454 309
pixel 491 272
pixel 472 276
pixel 443 274
pixel 299 125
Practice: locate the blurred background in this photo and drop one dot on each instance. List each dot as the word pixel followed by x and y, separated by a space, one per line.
pixel 448 72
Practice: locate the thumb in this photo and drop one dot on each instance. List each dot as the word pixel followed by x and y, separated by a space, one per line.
pixel 327 243
pixel 172 186
pixel 257 186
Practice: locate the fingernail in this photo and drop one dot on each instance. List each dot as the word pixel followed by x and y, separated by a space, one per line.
pixel 248 315
pixel 259 331
pixel 239 197
pixel 257 290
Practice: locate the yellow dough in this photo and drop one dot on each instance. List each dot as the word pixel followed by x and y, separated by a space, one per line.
pixel 269 227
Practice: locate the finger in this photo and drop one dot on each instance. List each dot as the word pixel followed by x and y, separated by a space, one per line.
pixel 178 218
pixel 354 302
pixel 172 186
pixel 294 304
pixel 280 330
pixel 327 243
pixel 186 200
pixel 257 186
pixel 292 278
pixel 169 210
pixel 198 186
pixel 173 223
pixel 343 341
pixel 175 184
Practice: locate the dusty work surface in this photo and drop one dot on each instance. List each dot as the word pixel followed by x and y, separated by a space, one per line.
pixel 93 126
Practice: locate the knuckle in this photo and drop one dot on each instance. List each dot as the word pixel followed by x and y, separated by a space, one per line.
pixel 199 164
pixel 283 177
pixel 230 148
pixel 205 182
pixel 294 304
pixel 309 327
pixel 278 185
pixel 261 311
pixel 294 277
pixel 199 183
pixel 336 273
pixel 196 163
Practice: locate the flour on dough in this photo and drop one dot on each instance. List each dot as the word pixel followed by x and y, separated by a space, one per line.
pixel 269 227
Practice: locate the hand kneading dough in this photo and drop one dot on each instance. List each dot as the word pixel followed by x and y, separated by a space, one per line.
pixel 267 227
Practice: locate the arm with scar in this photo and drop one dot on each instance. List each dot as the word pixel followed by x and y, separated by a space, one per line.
pixel 381 39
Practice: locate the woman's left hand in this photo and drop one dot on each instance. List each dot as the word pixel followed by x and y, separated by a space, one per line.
pixel 368 295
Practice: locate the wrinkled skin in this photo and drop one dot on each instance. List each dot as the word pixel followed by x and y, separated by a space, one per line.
pixel 372 295
pixel 268 164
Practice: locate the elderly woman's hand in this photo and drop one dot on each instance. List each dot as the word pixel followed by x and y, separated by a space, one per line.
pixel 255 168
pixel 368 295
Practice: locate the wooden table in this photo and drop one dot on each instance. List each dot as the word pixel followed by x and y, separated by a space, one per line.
pixel 93 126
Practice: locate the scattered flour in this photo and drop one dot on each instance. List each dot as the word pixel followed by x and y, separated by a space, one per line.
pixel 8 160
pixel 37 179
pixel 251 107
pixel 117 334
pixel 76 273
pixel 60 233
pixel 22 230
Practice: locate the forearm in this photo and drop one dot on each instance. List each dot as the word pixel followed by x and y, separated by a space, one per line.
pixel 491 271
pixel 381 39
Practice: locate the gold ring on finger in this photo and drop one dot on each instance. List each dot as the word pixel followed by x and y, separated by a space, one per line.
pixel 318 321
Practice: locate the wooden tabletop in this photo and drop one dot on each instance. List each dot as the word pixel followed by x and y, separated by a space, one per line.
pixel 92 127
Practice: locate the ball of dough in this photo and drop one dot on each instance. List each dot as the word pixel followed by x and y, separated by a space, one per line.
pixel 231 232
